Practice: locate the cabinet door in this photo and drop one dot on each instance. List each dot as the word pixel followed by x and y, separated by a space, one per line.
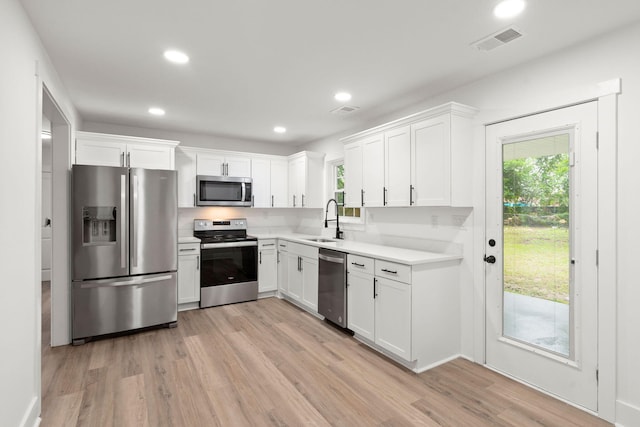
pixel 431 161
pixel 210 164
pixel 188 278
pixel 100 153
pixel 353 174
pixel 393 317
pixel 238 166
pixel 397 147
pixel 149 156
pixel 261 187
pixel 360 304
pixel 294 276
pixel 283 272
pixel 279 183
pixel 310 283
pixel 267 270
pixel 373 170
pixel 297 182
pixel 186 167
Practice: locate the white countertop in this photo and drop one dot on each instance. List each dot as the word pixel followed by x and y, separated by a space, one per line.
pixel 387 253
pixel 188 239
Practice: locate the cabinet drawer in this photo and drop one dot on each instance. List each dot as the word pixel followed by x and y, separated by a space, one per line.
pixel 359 263
pixel 282 245
pixel 188 248
pixel 267 244
pixel 394 271
pixel 307 251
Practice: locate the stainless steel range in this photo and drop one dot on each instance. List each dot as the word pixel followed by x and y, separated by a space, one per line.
pixel 229 266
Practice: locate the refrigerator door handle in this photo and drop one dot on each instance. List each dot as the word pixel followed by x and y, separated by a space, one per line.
pixel 108 283
pixel 122 219
pixel 134 213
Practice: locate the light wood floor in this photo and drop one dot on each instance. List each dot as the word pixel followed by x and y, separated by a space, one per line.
pixel 268 363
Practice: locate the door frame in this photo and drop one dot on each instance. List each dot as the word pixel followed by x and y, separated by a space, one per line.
pixel 605 93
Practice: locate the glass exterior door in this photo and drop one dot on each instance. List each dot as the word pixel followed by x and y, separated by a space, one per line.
pixel 541 244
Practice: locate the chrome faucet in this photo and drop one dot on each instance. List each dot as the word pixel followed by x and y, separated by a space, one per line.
pixel 326 221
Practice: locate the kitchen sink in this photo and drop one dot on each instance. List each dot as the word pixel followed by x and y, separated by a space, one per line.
pixel 321 240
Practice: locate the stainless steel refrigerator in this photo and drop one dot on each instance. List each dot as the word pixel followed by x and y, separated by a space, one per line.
pixel 125 232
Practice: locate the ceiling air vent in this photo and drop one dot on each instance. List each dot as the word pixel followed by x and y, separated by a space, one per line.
pixel 497 39
pixel 345 109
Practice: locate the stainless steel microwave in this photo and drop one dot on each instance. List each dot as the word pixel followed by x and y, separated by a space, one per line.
pixel 223 191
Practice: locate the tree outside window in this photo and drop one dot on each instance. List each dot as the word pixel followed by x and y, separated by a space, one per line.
pixel 338 191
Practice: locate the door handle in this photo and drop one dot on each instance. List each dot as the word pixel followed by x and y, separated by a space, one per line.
pixel 122 219
pixel 384 196
pixel 272 200
pixel 411 195
pixel 490 259
pixel 375 294
pixel 135 213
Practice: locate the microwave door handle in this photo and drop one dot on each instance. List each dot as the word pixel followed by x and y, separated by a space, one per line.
pixel 244 192
pixel 122 218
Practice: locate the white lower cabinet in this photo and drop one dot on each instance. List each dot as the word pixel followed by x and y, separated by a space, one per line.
pixel 302 275
pixel 410 312
pixel 267 265
pixel 188 274
pixel 283 267
pixel 360 299
pixel 393 316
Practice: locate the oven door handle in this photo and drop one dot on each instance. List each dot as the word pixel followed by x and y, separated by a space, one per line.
pixel 228 245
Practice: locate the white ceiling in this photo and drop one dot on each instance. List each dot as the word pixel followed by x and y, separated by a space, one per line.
pixel 260 63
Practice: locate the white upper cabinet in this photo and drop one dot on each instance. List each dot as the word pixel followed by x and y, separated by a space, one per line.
pixel 186 167
pixel 353 192
pixel 117 150
pixel 372 170
pixel 431 161
pixel 279 183
pixel 223 164
pixel 305 180
pixel 397 176
pixel 261 185
pixel 421 160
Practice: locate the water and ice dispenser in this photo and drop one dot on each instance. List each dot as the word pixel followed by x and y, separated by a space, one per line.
pixel 99 225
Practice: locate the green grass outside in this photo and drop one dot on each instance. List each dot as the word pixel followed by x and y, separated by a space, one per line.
pixel 536 262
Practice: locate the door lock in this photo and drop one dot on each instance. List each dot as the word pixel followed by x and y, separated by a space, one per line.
pixel 490 259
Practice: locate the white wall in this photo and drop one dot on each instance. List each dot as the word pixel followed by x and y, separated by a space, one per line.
pixel 20 116
pixel 551 82
pixel 194 139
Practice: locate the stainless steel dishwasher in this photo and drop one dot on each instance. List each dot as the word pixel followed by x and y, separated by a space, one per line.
pixel 332 286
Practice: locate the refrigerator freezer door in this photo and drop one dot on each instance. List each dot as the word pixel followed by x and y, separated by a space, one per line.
pixel 114 305
pixel 100 222
pixel 154 221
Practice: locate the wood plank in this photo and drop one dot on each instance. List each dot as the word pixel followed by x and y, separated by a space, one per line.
pixel 267 363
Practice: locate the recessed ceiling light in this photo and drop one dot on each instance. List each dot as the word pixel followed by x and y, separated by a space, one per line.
pixel 176 56
pixel 279 129
pixel 156 111
pixel 508 8
pixel 342 96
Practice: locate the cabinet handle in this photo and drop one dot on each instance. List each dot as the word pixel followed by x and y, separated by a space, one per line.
pixel 411 195
pixel 272 200
pixel 301 265
pixel 253 200
pixel 198 263
pixel 357 265
pixel 122 159
pixel 128 159
pixel 269 244
pixel 361 197
pixel 294 200
pixel 384 196
pixel 303 200
pixel 189 249
pixel 375 294
pixel 260 257
pixel 278 257
pixel 389 271
pixel 283 246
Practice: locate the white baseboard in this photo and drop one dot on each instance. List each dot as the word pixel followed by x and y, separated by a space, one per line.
pixel 31 416
pixel 627 415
